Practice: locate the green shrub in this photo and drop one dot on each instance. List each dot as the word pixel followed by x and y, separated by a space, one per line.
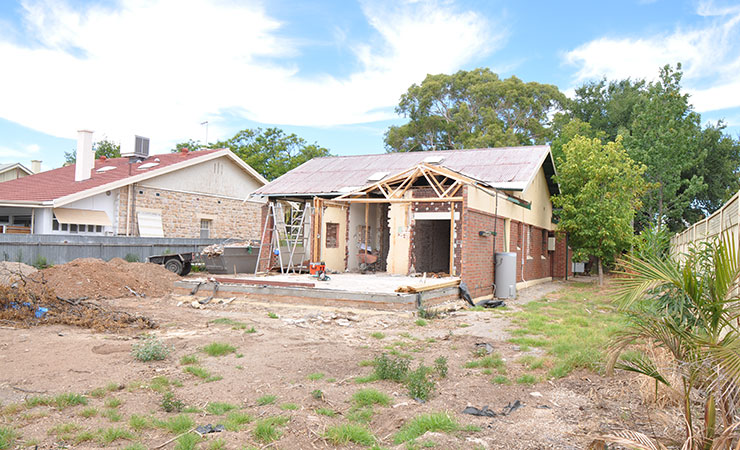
pixel 170 403
pixel 150 349
pixel 132 257
pixel 420 384
pixel 440 366
pixel 387 368
pixel 40 263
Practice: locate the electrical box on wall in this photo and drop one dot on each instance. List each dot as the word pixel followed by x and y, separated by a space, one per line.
pixel 551 244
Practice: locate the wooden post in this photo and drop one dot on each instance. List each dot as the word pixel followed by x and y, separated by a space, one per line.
pixel 452 239
pixel 367 212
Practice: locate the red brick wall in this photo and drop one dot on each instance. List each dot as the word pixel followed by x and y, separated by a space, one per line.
pixel 477 251
pixel 561 262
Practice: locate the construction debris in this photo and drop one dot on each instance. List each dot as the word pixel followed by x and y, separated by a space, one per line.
pixel 10 272
pixel 427 287
pixel 485 412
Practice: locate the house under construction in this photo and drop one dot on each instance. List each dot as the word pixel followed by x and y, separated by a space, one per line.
pixel 439 212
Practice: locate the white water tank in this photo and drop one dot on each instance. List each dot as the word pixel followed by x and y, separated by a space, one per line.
pixel 505 277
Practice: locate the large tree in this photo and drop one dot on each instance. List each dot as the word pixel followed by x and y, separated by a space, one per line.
pixel 600 189
pixel 271 151
pixel 474 109
pixel 106 148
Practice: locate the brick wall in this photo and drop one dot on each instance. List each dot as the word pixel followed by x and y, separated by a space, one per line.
pixel 182 212
pixel 440 206
pixel 561 261
pixel 477 251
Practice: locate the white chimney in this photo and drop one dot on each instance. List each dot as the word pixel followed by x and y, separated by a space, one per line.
pixel 85 156
pixel 35 165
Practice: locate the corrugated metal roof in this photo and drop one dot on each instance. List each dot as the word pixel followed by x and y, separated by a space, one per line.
pixel 511 168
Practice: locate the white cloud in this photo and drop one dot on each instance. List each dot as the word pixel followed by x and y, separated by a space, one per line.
pixel 710 55
pixel 160 67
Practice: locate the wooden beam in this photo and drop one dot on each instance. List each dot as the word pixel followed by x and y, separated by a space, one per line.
pixel 399 200
pixel 367 210
pixel 452 239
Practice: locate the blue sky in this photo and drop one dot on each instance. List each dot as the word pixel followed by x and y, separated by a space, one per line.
pixel 329 71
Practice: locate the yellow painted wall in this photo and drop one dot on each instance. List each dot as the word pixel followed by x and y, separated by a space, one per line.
pixel 334 257
pixel 12 175
pixel 538 193
pixel 399 224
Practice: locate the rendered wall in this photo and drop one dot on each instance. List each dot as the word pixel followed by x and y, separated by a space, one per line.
pixel 334 258
pixel 356 235
pixel 220 176
pixel 399 223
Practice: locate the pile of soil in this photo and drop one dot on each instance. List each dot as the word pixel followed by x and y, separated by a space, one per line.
pixel 13 271
pixel 96 279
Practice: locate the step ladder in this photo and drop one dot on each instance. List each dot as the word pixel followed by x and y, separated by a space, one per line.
pixel 288 224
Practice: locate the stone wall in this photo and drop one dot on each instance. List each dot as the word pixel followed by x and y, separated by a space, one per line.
pixel 182 213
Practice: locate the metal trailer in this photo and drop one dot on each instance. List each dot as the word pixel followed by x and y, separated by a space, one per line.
pixel 179 263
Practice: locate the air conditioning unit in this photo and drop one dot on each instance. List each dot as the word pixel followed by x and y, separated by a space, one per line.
pixel 550 244
pixel 139 150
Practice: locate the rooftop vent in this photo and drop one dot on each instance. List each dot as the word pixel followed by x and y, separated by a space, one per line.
pixel 148 165
pixel 106 168
pixel 377 176
pixel 434 159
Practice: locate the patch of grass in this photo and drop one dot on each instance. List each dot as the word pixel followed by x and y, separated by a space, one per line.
pixel 188 360
pixel 160 384
pixel 113 402
pixel 236 420
pixel 317 394
pixel 492 361
pixel 217 444
pixel 219 349
pixel 387 368
pixel 288 406
pixel 500 379
pixel 89 412
pixel 349 432
pixel 8 438
pixel 268 430
pixel 463 325
pixel 192 410
pixel 64 431
pixel 366 363
pixel 138 423
pixel 363 415
pixel 428 422
pixel 421 323
pixel 112 415
pixel 68 399
pixel 200 372
pixel 266 400
pixel 573 329
pixel 325 412
pixel 250 331
pixel 150 349
pixel 532 362
pixel 84 436
pixel 175 425
pixel 219 408
pixel 377 335
pixel 188 441
pixel 98 392
pixel 108 435
pixel 527 378
pixel 366 379
pixel 11 409
pixel 235 324
pixel 171 404
pixel 369 397
pixel 272 315
pixel 420 385
pixel 315 376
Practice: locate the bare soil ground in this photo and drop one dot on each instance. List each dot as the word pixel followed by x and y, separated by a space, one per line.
pixel 278 358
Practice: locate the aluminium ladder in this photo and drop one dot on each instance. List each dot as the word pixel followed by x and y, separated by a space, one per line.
pixel 288 236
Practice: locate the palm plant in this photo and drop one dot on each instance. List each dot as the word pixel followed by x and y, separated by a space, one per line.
pixel 691 309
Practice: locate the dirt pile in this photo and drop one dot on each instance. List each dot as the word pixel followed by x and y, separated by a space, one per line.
pixel 13 271
pixel 93 278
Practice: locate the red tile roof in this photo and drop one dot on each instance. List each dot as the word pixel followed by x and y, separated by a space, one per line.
pixel 57 183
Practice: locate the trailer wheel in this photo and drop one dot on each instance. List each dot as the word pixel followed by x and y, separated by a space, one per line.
pixel 186 269
pixel 173 265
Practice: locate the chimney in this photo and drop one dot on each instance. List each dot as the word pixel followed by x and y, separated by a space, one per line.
pixel 35 165
pixel 85 156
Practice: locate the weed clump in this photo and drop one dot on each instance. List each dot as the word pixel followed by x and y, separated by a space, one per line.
pixel 219 349
pixel 440 366
pixel 150 349
pixel 170 403
pixel 387 368
pixel 346 433
pixel 420 384
pixel 267 430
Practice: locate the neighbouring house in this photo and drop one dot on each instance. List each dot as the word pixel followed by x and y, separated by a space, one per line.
pixel 438 211
pixel 198 194
pixel 13 171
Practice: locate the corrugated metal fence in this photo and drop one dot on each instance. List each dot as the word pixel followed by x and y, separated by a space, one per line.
pixel 723 220
pixel 58 249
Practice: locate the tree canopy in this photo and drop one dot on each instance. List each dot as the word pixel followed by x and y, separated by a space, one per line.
pixel 270 151
pixel 474 109
pixel 600 189
pixel 106 148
